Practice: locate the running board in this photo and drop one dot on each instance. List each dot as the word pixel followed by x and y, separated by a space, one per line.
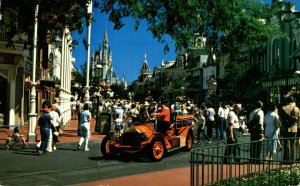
pixel 172 149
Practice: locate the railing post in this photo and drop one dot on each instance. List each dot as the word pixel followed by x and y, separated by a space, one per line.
pixel 192 169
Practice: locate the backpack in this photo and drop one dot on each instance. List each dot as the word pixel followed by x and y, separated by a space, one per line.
pixel 254 125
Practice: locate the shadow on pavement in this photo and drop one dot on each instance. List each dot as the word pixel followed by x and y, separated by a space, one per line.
pixel 97 158
pixel 27 152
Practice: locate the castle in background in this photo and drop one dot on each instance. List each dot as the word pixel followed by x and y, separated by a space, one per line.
pixel 102 66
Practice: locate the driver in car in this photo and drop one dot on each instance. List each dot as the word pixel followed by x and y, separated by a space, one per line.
pixel 163 117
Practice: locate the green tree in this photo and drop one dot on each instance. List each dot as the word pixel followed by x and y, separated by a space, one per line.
pixel 226 24
pixel 18 16
pixel 119 91
pixel 79 77
pixel 137 90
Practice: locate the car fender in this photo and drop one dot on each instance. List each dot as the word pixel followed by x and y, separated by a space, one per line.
pixel 184 131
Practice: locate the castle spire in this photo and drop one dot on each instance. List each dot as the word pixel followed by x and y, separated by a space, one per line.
pixel 145 68
pixel 105 41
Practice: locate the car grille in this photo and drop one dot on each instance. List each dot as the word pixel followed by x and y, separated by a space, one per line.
pixel 130 139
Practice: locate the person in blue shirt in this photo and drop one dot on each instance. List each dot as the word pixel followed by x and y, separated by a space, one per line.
pixel 84 127
pixel 45 122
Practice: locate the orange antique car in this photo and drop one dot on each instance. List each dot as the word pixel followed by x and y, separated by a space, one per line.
pixel 142 137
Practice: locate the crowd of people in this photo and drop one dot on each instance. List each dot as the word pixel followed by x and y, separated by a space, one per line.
pixel 225 120
pixel 270 122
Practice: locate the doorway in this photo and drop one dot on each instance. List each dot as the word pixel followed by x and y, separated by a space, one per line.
pixel 3 101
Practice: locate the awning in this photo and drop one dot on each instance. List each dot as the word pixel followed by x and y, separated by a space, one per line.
pixel 38 88
pixel 27 87
pixel 49 89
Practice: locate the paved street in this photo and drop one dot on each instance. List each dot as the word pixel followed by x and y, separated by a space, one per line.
pixel 67 166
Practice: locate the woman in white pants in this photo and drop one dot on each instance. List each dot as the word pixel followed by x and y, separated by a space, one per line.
pixel 84 127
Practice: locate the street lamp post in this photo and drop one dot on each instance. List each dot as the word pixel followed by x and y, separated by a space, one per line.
pixel 32 115
pixel 89 12
pixel 98 96
pixel 297 73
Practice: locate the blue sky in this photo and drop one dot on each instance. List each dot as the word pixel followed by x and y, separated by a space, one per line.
pixel 128 47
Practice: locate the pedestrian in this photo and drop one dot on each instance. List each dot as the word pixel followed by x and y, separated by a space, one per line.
pixel 289 117
pixel 256 129
pixel 221 126
pixel 233 121
pixel 200 126
pixel 55 127
pixel 176 108
pixel 84 127
pixel 120 111
pixel 59 110
pixel 118 125
pixel 144 112
pixel 134 114
pixel 231 144
pixel 57 106
pixel 210 122
pixel 152 109
pixel 183 110
pixel 44 122
pixel 73 108
pixel 272 125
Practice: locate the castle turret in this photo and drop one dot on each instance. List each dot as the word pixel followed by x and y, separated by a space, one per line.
pixel 145 71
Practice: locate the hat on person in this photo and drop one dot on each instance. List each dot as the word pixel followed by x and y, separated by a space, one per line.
pixel 46 109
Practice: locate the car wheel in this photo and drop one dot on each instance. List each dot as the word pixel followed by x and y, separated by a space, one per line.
pixel 189 141
pixel 157 149
pixel 107 148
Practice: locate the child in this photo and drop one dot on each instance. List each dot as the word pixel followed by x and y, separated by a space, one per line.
pixel 16 138
pixel 201 126
pixel 118 125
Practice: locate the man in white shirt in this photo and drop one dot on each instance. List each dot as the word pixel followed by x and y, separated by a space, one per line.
pixel 221 121
pixel 210 123
pixel 233 119
pixel 257 133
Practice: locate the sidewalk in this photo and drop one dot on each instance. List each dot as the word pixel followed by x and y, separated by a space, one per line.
pixel 174 177
pixel 69 134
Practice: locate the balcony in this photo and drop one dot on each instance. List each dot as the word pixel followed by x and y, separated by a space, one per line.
pixel 20 37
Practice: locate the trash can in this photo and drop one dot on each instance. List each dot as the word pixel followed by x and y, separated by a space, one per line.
pixel 104 124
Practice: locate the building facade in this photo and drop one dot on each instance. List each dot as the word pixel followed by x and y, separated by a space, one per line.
pixel 278 60
pixel 52 72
